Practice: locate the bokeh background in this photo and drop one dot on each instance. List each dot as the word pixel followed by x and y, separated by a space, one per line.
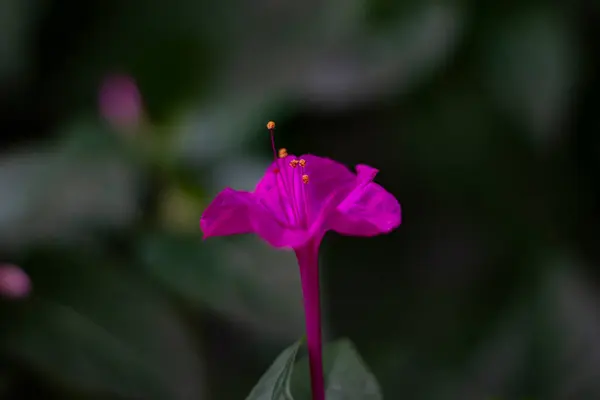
pixel 121 120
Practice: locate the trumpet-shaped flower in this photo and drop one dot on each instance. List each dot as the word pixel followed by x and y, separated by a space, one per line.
pixel 296 202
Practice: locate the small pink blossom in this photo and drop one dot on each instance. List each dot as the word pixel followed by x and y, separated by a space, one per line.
pixel 296 202
pixel 14 282
pixel 120 101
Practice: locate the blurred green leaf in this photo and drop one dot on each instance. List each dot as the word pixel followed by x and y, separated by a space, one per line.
pixel 530 67
pixel 275 383
pixel 224 126
pixel 240 278
pixel 346 375
pixel 4 383
pixel 60 190
pixel 367 66
pixel 574 301
pixel 184 264
pixel 336 63
pixel 100 330
pixel 166 49
pixel 16 23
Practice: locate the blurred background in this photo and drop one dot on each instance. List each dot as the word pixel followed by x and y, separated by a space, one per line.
pixel 122 119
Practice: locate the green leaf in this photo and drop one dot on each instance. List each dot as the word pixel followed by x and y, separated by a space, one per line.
pixel 346 375
pixel 275 383
pixel 17 20
pixel 61 190
pixel 99 330
pixel 242 279
pixel 531 68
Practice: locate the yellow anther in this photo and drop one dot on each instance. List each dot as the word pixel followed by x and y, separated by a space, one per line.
pixel 283 153
pixel 294 163
pixel 305 178
pixel 271 125
pixel 303 163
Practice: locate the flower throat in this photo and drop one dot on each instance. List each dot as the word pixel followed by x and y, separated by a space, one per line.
pixel 290 184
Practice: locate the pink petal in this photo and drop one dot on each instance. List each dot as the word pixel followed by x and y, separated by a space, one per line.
pixel 235 212
pixel 326 178
pixel 368 210
pixel 270 188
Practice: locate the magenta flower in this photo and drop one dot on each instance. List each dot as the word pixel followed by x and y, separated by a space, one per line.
pixel 120 102
pixel 14 282
pixel 294 204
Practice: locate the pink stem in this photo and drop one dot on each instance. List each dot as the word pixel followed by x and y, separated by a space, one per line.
pixel 308 260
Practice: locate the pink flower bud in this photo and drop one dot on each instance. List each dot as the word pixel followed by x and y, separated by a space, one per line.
pixel 120 101
pixel 14 282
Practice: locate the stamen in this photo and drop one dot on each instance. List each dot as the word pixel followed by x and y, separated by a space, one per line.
pixel 305 180
pixel 294 163
pixel 271 128
pixel 284 189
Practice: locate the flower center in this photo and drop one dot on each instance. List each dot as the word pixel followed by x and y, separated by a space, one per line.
pixel 291 179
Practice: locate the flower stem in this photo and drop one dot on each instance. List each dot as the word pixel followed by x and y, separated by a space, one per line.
pixel 308 260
